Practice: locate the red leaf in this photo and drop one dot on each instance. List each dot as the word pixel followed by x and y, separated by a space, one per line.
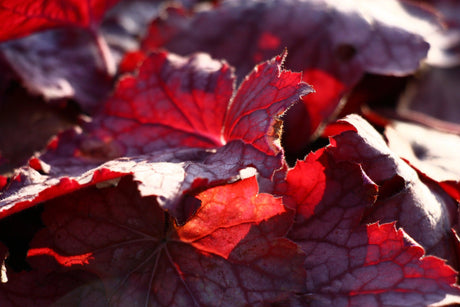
pixel 231 252
pixel 3 182
pixel 189 100
pixel 131 61
pixel 177 102
pixel 24 17
pixel 177 110
pixel 171 96
pixel 353 264
pixel 260 99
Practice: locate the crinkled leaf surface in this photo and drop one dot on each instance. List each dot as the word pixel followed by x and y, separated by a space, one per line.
pixel 61 63
pixel 23 17
pixel 420 207
pixel 231 252
pixel 350 263
pixel 342 38
pixel 177 110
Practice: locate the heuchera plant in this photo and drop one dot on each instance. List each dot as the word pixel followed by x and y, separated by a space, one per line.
pixel 208 154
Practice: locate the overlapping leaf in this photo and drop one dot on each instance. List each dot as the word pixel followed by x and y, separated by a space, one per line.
pixel 350 263
pixel 231 252
pixel 182 111
pixel 344 38
pixel 420 207
pixel 334 43
pixel 71 62
pixel 61 63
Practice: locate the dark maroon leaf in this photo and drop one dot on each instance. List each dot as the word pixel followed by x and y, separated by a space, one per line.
pixel 353 264
pixel 231 252
pixel 420 207
pixel 27 123
pixel 34 187
pixel 435 96
pixel 62 63
pixel 47 284
pixel 341 38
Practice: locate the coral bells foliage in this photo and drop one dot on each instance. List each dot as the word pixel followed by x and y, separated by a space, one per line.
pixel 166 183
